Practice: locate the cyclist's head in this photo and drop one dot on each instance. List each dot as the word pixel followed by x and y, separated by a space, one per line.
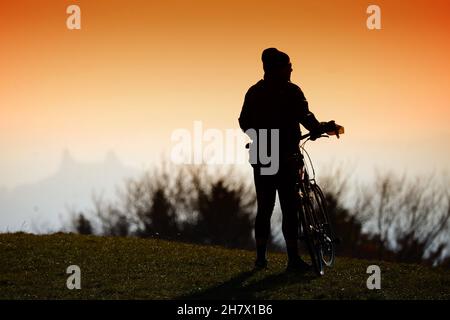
pixel 276 64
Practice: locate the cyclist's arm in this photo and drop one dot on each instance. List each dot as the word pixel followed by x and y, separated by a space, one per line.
pixel 306 117
pixel 310 122
pixel 317 128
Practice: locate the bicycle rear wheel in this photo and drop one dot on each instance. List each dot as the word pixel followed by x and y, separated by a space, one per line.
pixel 310 233
pixel 326 234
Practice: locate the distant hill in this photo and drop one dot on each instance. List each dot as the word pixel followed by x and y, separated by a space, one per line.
pixel 34 267
pixel 44 203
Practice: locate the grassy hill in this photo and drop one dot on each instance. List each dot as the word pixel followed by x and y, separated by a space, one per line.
pixel 34 267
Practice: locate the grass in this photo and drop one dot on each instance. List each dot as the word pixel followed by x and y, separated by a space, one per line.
pixel 34 267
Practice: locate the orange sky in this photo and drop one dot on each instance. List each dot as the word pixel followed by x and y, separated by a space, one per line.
pixel 137 70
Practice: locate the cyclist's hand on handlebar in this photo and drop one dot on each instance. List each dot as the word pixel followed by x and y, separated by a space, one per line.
pixel 331 128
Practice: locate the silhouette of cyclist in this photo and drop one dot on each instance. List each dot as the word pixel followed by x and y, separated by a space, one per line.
pixel 276 103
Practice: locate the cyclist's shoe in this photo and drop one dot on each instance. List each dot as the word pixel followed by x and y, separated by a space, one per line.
pixel 298 265
pixel 260 264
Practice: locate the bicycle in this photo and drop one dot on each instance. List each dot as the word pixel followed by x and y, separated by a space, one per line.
pixel 314 223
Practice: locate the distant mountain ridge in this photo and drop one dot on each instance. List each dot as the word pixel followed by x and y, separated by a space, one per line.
pixel 45 202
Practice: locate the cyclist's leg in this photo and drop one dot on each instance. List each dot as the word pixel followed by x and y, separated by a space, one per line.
pixel 288 194
pixel 265 196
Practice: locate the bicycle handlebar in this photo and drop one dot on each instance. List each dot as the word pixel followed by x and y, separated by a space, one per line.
pixel 303 137
pixel 308 135
pixel 340 130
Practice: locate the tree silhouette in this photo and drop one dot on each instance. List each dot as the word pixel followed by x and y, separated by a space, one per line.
pixel 82 225
pixel 160 219
pixel 223 217
pixel 394 219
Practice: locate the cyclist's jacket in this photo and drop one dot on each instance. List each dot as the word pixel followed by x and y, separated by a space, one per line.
pixel 277 105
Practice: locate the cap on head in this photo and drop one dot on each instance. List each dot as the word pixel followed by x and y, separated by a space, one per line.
pixel 273 58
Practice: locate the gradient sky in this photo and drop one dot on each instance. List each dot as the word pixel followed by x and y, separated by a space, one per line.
pixel 137 70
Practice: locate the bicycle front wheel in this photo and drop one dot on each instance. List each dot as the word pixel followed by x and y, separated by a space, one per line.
pixel 327 237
